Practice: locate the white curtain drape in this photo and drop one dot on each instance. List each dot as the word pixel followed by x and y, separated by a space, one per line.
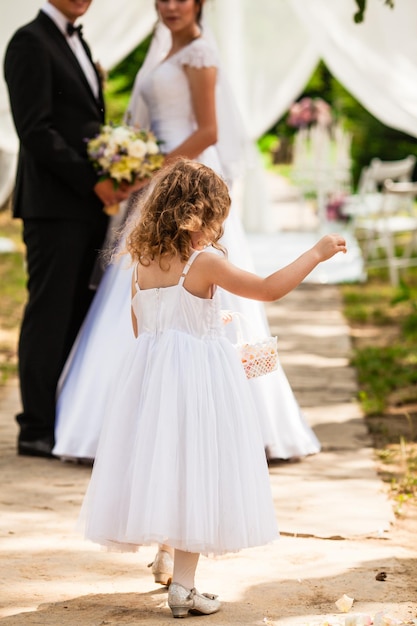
pixel 376 60
pixel 269 51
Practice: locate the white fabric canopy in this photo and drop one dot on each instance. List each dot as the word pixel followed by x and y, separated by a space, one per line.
pixel 375 60
pixel 269 50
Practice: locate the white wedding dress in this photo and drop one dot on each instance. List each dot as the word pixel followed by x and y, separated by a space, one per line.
pixel 163 97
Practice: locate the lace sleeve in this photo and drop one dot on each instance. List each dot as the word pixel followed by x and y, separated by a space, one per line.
pixel 199 54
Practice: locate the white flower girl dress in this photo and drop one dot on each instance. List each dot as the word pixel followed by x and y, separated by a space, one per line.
pixel 181 458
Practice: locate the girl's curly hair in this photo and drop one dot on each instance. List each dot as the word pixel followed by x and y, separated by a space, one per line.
pixel 185 197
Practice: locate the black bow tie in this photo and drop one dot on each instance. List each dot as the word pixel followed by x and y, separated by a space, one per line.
pixel 71 29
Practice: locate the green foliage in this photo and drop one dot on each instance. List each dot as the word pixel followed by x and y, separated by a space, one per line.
pixel 359 16
pixel 120 81
pixel 382 370
pixel 12 298
pixel 7 370
pixel 268 142
pixel 409 326
pixel 392 366
pixel 12 288
pixel 365 306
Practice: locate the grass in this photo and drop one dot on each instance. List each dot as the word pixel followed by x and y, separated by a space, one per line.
pixel 383 322
pixel 12 288
pixel 399 470
pixel 12 295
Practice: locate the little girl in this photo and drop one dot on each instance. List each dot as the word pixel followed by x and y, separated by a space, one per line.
pixel 181 460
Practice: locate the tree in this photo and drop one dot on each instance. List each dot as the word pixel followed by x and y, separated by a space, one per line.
pixel 359 16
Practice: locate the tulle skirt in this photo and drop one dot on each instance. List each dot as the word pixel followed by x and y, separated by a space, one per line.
pixel 186 466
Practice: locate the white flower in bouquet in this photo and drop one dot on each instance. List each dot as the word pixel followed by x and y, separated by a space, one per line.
pixel 124 154
pixel 137 149
pixel 121 135
pixel 152 147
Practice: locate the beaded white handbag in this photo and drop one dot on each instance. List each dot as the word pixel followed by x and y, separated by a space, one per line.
pixel 258 357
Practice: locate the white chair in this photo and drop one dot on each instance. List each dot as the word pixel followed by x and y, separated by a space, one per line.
pixel 371 181
pixel 379 217
pixel 373 177
pixel 321 165
pixel 390 231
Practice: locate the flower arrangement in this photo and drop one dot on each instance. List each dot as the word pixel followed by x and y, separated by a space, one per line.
pixel 334 207
pixel 124 154
pixel 308 111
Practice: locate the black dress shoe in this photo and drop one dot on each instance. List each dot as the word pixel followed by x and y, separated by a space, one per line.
pixel 37 447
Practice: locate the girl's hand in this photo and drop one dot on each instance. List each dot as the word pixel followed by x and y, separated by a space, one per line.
pixel 226 316
pixel 128 188
pixel 329 245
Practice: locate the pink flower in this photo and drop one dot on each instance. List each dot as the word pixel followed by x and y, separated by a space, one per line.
pixel 308 111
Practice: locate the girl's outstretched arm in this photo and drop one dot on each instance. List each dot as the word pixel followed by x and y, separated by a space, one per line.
pixel 222 273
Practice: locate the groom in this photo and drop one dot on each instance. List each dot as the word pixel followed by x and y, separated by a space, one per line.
pixel 57 102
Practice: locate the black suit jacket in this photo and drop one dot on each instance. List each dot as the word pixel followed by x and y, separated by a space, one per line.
pixel 54 111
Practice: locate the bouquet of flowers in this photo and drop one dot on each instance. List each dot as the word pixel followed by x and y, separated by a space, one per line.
pixel 124 154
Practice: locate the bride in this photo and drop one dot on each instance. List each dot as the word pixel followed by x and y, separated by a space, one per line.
pixel 181 95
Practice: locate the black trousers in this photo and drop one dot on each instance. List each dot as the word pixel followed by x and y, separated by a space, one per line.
pixel 60 258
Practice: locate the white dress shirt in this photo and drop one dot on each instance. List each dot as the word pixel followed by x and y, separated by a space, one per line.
pixel 75 45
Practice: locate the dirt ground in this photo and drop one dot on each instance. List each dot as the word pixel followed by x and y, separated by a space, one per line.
pixel 52 577
pixel 326 505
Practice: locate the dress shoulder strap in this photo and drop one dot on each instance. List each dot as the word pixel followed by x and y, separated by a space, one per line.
pixel 135 276
pixel 188 265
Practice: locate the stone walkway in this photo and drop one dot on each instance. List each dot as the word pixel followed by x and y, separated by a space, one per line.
pixel 315 348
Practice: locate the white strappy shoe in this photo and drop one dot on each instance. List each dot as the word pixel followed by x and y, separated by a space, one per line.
pixel 182 601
